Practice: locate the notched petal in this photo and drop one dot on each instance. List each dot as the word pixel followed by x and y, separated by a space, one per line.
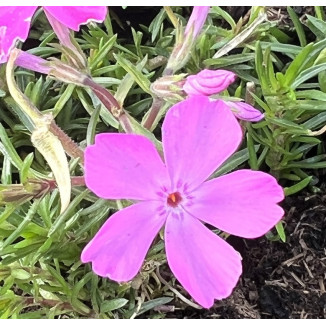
pixel 14 25
pixel 243 203
pixel 124 166
pixel 74 16
pixel 205 265
pixel 119 248
pixel 198 136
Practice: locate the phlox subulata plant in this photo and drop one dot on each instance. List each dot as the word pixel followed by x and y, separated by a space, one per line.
pixel 128 161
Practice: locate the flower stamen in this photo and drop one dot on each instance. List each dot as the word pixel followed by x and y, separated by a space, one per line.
pixel 174 199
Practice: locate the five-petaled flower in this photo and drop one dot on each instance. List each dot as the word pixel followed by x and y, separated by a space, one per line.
pixel 15 22
pixel 197 136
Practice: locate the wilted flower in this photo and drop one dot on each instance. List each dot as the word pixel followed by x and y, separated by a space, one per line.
pixel 15 22
pixel 197 137
pixel 169 87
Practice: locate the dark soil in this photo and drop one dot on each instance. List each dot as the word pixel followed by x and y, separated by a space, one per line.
pixel 280 280
pixel 285 280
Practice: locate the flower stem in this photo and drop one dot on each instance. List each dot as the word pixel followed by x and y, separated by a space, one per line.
pixel 76 181
pixel 111 104
pixel 34 116
pixel 153 112
pixel 125 123
pixel 70 147
pixel 105 96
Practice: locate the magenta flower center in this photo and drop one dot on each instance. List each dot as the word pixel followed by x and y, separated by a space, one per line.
pixel 174 199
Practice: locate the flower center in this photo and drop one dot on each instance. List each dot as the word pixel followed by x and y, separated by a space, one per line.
pixel 174 199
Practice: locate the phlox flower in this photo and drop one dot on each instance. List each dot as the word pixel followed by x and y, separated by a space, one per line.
pixel 15 22
pixel 197 137
pixel 209 82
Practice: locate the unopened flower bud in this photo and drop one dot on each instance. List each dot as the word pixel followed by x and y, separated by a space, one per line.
pixel 65 73
pixel 32 62
pixel 20 193
pixel 181 52
pixel 245 111
pixel 209 82
pixel 196 20
pixel 169 87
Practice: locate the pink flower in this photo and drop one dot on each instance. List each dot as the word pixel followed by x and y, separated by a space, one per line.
pixel 209 82
pixel 15 22
pixel 182 49
pixel 197 20
pixel 245 111
pixel 197 136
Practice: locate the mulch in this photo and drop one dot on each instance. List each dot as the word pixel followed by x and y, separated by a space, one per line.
pixel 280 280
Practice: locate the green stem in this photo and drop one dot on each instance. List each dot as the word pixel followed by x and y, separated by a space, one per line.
pixel 34 115
pixel 22 100
pixel 76 181
pixel 111 104
pixel 70 147
pixel 153 112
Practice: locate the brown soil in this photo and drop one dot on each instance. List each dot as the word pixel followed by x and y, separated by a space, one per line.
pixel 280 280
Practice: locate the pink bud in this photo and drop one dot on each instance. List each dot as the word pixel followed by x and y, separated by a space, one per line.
pixel 245 111
pixel 197 20
pixel 169 87
pixel 209 82
pixel 32 62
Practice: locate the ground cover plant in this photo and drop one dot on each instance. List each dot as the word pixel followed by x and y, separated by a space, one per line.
pixel 140 146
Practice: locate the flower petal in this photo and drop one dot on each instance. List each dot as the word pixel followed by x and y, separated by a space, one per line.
pixel 206 266
pixel 198 136
pixel 119 248
pixel 245 111
pixel 14 25
pixel 74 16
pixel 120 166
pixel 243 203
